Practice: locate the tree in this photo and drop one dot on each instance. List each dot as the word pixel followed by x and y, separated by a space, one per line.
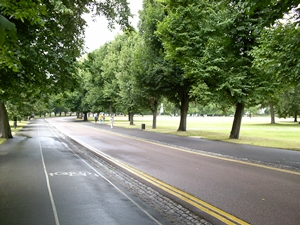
pixel 164 73
pixel 131 94
pixel 94 80
pixel 211 40
pixel 289 104
pixel 277 56
pixel 42 55
pixel 110 69
pixel 149 64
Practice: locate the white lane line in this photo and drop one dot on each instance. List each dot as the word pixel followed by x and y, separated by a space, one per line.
pixel 48 183
pixel 106 179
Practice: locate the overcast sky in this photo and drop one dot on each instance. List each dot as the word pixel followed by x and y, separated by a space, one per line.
pixel 97 33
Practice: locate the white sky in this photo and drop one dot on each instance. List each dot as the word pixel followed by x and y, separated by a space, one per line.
pixel 97 33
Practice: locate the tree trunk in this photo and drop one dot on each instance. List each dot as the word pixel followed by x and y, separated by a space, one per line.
pixel 154 113
pixel 184 106
pixel 131 114
pixel 5 130
pixel 85 118
pixel 272 112
pixel 236 126
pixel 295 116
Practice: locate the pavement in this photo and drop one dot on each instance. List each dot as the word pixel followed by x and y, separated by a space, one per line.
pixel 42 181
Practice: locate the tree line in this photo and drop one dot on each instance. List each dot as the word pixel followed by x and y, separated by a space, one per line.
pixel 229 53
pixel 226 53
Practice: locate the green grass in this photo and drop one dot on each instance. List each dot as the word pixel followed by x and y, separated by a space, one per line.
pixel 257 131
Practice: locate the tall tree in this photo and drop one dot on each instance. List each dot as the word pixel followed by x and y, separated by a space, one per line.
pixel 211 40
pixel 164 74
pixel 131 94
pixel 150 62
pixel 93 65
pixel 277 57
pixel 289 104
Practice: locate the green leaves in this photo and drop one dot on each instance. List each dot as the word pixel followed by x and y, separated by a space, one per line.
pixel 278 53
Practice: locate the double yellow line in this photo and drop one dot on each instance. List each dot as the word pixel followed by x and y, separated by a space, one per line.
pixel 213 211
pixel 199 204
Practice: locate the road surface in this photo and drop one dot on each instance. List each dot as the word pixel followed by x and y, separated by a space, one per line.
pixel 254 193
pixel 43 182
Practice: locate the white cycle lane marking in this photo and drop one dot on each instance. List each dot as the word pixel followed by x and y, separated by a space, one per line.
pixel 73 174
pixel 97 174
pixel 48 183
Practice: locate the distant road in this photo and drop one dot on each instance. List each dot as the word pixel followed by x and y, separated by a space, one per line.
pixel 253 193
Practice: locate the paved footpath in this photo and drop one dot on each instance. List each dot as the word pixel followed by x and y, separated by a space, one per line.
pixel 43 182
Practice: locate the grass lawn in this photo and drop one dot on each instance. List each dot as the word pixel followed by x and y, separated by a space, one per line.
pixel 254 131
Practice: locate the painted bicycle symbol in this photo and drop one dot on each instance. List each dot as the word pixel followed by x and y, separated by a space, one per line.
pixel 71 174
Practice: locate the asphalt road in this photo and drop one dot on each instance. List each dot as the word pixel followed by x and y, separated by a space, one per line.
pixel 254 193
pixel 43 182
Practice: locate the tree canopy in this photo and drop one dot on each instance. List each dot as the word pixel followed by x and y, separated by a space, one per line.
pixel 217 54
pixel 40 43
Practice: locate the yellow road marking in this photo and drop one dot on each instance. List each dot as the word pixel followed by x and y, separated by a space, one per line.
pixel 203 154
pixel 215 212
pixel 204 206
pixel 200 204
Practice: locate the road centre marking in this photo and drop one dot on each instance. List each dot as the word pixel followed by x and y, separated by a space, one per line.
pixel 202 154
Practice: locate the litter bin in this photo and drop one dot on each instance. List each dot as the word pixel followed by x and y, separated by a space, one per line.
pixel 143 126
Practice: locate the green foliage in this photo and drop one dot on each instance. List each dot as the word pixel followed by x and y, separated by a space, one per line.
pixel 40 42
pixel 277 9
pixel 289 104
pixel 279 53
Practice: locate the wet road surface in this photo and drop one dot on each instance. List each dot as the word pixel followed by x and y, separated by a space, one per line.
pixel 254 193
pixel 43 182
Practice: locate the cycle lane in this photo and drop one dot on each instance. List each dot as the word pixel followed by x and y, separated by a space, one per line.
pixel 43 182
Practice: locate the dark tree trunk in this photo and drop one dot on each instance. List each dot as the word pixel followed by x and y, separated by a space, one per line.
pixel 85 118
pixel 272 112
pixel 295 116
pixel 154 113
pixel 5 131
pixel 236 126
pixel 131 114
pixel 184 106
